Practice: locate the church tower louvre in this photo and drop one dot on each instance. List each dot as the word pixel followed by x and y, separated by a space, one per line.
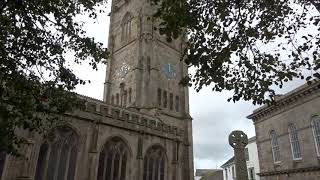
pixel 141 130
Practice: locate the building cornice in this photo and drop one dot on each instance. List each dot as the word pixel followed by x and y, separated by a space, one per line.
pixel 296 97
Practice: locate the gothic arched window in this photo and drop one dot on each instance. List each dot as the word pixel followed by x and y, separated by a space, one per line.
pixel 315 124
pixel 154 164
pixel 275 146
pixel 294 142
pixel 2 162
pixel 58 157
pixel 126 26
pixel 113 160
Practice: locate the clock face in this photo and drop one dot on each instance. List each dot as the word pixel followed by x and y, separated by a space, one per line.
pixel 169 70
pixel 123 70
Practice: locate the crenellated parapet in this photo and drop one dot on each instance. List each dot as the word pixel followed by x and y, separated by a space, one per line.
pixel 100 112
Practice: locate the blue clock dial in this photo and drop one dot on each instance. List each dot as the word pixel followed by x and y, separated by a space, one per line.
pixel 169 71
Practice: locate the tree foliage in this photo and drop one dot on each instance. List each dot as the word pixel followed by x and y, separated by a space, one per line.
pixel 36 81
pixel 249 47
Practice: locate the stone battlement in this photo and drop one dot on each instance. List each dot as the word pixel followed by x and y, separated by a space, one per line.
pixel 126 118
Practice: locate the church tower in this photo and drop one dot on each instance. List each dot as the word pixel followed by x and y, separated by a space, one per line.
pixel 144 70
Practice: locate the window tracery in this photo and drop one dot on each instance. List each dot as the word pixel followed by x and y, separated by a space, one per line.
pixel 154 164
pixel 113 160
pixel 126 27
pixel 315 124
pixel 58 157
pixel 294 142
pixel 275 146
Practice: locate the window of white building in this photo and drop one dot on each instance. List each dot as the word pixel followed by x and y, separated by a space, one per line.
pixel 315 124
pixel 294 142
pixel 275 146
pixel 233 173
pixel 252 174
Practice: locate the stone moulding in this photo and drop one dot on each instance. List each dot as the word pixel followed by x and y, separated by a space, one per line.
pixel 124 118
pixel 290 171
pixel 285 102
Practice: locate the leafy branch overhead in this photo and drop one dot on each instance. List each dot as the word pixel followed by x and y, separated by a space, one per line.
pixel 35 77
pixel 248 46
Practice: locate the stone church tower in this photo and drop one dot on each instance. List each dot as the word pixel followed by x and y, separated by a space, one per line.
pixel 141 130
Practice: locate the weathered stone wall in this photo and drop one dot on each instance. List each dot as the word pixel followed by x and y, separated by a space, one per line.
pixel 97 124
pixel 295 108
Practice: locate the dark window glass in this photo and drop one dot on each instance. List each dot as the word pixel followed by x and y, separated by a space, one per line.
pixel 171 101
pixel 72 163
pixel 108 166
pixel 159 97
pixel 2 162
pixel 177 103
pixel 101 165
pixel 130 95
pixel 63 161
pixel 165 99
pixel 117 99
pixel 246 153
pixel 41 162
pixel 116 166
pixel 145 169
pixel 125 98
pixel 53 160
pixel 123 167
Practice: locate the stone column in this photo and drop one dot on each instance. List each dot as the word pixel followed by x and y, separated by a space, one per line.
pixel 238 140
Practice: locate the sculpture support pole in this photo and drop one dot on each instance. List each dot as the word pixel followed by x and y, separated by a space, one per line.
pixel 238 140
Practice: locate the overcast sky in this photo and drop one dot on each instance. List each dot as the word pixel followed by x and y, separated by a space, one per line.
pixel 214 118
